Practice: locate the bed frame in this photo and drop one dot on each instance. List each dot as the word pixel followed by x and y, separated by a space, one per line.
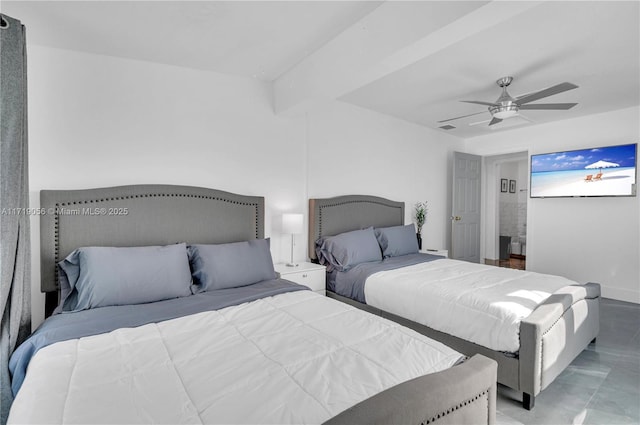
pixel 550 338
pixel 163 214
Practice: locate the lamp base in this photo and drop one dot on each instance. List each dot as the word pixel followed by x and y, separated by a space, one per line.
pixel 292 265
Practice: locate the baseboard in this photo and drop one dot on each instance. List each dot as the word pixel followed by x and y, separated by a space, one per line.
pixel 620 294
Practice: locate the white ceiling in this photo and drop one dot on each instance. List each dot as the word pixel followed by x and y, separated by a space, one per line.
pixel 259 39
pixel 594 45
pixel 413 60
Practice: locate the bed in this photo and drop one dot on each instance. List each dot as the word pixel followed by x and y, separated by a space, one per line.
pixel 553 324
pixel 208 347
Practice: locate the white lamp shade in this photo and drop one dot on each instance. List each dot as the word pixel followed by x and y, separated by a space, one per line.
pixel 292 223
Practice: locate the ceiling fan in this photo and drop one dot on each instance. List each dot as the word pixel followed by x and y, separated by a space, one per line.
pixel 507 106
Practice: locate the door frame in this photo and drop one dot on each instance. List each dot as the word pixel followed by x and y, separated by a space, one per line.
pixel 490 224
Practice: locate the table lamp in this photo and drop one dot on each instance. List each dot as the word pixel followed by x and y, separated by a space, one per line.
pixel 293 224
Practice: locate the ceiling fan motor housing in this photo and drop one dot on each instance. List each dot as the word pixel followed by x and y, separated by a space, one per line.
pixel 505 106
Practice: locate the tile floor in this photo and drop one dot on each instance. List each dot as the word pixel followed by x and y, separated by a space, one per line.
pixel 601 386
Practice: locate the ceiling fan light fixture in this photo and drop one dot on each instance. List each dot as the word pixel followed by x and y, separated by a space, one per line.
pixel 504 111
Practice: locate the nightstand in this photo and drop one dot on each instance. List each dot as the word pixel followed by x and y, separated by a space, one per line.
pixel 441 252
pixel 307 274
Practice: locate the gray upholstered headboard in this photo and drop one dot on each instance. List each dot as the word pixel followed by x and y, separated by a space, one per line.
pixel 331 216
pixel 140 215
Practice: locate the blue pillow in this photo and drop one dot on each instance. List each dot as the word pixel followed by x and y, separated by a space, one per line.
pixel 230 265
pixel 343 251
pixel 94 277
pixel 397 240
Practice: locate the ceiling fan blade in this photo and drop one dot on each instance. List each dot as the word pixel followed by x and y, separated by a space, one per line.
pixel 525 118
pixel 463 116
pixel 495 121
pixel 563 106
pixel 558 88
pixel 478 102
pixel 479 122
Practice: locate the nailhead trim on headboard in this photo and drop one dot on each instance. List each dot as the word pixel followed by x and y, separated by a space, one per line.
pixel 145 195
pixel 326 218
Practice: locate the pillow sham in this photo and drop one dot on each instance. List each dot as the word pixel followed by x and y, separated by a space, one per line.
pixel 230 265
pixel 343 251
pixel 397 240
pixel 93 277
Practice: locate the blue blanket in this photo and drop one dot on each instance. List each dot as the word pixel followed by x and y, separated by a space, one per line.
pixel 66 326
pixel 351 283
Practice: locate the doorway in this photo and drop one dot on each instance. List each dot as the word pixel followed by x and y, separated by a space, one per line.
pixel 505 226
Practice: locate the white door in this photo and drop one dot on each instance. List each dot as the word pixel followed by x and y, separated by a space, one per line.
pixel 465 216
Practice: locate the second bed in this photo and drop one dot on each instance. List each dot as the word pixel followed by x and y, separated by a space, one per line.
pixel 532 324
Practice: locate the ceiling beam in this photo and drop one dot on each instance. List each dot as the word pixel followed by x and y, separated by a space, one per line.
pixel 391 37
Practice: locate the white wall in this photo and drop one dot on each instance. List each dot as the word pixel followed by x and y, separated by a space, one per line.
pixel 356 151
pixel 98 121
pixel 585 239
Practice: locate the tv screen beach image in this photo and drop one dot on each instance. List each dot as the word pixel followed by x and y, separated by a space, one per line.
pixel 604 171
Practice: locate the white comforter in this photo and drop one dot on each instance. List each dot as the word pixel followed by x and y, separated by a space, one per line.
pixel 293 358
pixel 475 302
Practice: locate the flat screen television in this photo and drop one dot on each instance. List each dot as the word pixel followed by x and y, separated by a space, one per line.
pixel 602 171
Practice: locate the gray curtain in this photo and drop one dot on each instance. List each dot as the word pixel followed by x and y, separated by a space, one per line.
pixel 15 261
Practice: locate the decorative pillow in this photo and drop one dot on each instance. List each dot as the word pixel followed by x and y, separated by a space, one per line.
pixel 343 251
pixel 94 277
pixel 397 240
pixel 230 265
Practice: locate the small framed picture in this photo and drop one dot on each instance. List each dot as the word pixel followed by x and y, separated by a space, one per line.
pixel 512 186
pixel 503 185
